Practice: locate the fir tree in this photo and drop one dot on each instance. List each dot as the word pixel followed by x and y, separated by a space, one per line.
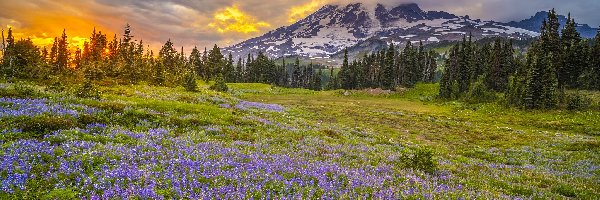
pixel 594 69
pixel 215 62
pixel 573 56
pixel 296 74
pixel 63 54
pixel 239 71
pixel 317 82
pixel 346 73
pixel 229 70
pixel 388 78
pixel 190 82
pixel 195 61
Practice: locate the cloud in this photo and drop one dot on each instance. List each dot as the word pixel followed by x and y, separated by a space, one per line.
pixel 202 23
pixel 298 12
pixel 231 19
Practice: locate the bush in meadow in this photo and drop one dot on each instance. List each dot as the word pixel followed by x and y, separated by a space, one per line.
pixel 88 90
pixel 578 101
pixel 220 85
pixel 56 85
pixel 19 90
pixel 421 159
pixel 190 83
pixel 479 93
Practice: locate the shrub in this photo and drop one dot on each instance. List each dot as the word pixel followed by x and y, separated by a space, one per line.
pixel 88 90
pixel 421 159
pixel 56 85
pixel 479 93
pixel 19 90
pixel 41 125
pixel 190 83
pixel 564 190
pixel 219 85
pixel 578 101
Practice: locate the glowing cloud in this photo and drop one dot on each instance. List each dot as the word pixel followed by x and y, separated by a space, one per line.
pixel 232 19
pixel 298 12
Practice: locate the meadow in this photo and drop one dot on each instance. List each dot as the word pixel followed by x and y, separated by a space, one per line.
pixel 263 142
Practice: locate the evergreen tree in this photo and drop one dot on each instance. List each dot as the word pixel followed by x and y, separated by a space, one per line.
pixel 346 73
pixel 229 70
pixel 317 82
pixel 296 74
pixel 573 56
pixel 190 82
pixel 239 71
pixel 195 61
pixel 388 78
pixel 541 90
pixel 63 54
pixel 594 68
pixel 159 76
pixel 215 62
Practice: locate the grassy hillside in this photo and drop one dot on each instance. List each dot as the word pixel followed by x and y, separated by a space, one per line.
pixel 259 141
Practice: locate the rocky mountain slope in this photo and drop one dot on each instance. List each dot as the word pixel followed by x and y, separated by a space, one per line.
pixel 333 28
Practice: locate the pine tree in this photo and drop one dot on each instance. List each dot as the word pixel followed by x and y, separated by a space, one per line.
pixel 63 54
pixel 8 54
pixel 317 82
pixel 239 71
pixel 594 69
pixel 387 81
pixel 541 90
pixel 195 61
pixel 229 70
pixel 572 56
pixel 296 74
pixel 159 76
pixel 190 82
pixel 215 62
pixel 344 73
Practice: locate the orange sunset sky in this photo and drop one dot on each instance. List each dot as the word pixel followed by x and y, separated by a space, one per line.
pixel 203 23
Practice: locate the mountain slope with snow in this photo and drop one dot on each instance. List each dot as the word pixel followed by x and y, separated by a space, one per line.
pixel 333 28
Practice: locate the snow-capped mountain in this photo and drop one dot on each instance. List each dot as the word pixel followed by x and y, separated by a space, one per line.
pixel 535 22
pixel 333 28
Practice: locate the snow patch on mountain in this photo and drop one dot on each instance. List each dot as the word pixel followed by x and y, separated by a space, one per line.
pixel 335 27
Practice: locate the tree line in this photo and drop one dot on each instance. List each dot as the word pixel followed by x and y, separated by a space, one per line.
pixel 557 61
pixel 126 61
pixel 388 68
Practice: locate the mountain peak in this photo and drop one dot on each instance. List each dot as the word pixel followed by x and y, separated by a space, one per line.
pixel 534 23
pixel 323 34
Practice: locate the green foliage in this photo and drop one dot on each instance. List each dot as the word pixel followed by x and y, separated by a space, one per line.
pixel 41 125
pixel 19 90
pixel 578 101
pixel 56 85
pixel 67 193
pixel 479 93
pixel 190 82
pixel 219 85
pixel 420 159
pixel 88 90
pixel 564 190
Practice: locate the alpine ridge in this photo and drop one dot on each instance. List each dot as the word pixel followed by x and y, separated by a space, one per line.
pixel 334 27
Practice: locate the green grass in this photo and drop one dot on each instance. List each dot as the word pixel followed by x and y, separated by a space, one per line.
pixel 486 147
pixel 469 137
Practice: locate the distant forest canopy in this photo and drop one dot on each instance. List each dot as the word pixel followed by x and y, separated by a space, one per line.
pixel 556 61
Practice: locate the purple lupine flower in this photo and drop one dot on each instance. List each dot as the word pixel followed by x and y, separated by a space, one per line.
pixel 246 105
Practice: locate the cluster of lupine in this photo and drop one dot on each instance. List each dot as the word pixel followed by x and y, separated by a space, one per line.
pixel 12 107
pixel 155 164
pixel 247 105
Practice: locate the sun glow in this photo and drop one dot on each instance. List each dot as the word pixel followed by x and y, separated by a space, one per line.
pixel 232 19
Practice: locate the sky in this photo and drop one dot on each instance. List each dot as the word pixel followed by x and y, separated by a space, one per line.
pixel 203 23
